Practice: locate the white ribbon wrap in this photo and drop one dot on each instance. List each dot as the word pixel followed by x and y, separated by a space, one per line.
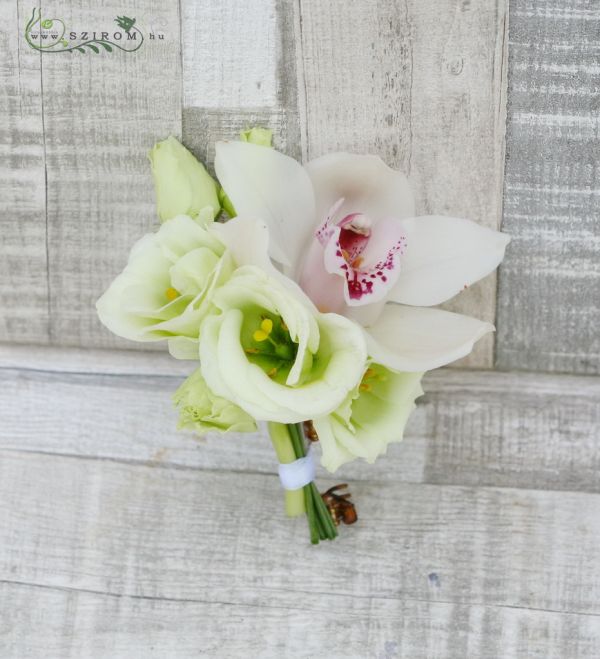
pixel 297 474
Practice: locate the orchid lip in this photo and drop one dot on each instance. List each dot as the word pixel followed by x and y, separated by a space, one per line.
pixel 365 253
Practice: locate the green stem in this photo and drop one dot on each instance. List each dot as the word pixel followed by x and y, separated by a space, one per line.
pixel 319 518
pixel 284 448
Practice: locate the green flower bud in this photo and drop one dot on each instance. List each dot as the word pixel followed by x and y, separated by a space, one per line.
pixel 256 135
pixel 202 411
pixel 183 186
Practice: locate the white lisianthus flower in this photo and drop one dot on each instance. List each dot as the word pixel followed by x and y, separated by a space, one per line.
pixel 164 291
pixel 344 228
pixel 273 354
pixel 200 410
pixel 372 416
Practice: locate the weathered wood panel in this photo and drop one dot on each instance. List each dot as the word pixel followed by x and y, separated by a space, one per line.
pixel 111 626
pixel 549 296
pixel 421 84
pixel 475 428
pixel 239 71
pixel 23 262
pixel 176 534
pixel 102 113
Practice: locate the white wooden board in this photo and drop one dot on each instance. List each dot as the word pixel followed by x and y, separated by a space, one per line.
pixel 504 569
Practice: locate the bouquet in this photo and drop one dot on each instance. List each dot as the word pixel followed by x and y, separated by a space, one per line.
pixel 303 294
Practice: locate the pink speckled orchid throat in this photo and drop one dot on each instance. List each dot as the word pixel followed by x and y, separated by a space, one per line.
pixel 364 253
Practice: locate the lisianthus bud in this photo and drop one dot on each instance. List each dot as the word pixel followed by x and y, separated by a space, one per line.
pixel 256 135
pixel 183 186
pixel 373 415
pixel 200 410
pixel 270 352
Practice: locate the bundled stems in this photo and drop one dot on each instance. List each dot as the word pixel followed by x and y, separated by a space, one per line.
pixel 288 441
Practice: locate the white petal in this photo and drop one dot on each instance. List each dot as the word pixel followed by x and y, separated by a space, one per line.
pixel 248 242
pixel 418 339
pixel 267 185
pixel 443 256
pixel 182 347
pixel 366 183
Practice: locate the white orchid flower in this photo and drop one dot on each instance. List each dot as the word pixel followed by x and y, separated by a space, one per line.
pixel 344 228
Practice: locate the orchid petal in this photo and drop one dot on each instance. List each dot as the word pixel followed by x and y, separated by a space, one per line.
pixel 366 183
pixel 247 241
pixel 417 339
pixel 267 185
pixel 445 255
pixel 326 290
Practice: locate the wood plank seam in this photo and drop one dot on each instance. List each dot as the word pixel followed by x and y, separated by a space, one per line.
pixel 278 607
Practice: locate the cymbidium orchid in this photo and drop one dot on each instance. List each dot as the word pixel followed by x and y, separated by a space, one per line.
pixel 344 227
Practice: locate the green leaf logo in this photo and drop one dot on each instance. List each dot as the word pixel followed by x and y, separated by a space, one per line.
pixel 125 23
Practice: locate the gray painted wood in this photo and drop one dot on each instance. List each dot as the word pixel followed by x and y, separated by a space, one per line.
pixel 471 427
pixel 23 262
pixel 82 123
pixel 549 297
pixel 110 625
pixel 102 114
pixel 243 76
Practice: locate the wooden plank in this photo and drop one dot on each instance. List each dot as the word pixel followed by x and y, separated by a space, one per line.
pixel 72 624
pixel 243 75
pixel 102 113
pixel 421 84
pixel 471 427
pixel 138 531
pixel 549 296
pixel 23 265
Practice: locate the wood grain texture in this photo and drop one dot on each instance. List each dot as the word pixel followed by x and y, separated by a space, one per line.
pixel 137 534
pixel 102 114
pixel 549 295
pixel 23 262
pixel 111 625
pixel 422 84
pixel 120 537
pixel 87 120
pixel 243 75
pixel 475 428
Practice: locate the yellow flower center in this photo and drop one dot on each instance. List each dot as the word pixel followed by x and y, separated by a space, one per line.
pixel 369 378
pixel 171 294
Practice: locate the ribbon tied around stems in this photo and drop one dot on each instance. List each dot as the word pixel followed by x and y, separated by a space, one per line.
pixel 297 474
